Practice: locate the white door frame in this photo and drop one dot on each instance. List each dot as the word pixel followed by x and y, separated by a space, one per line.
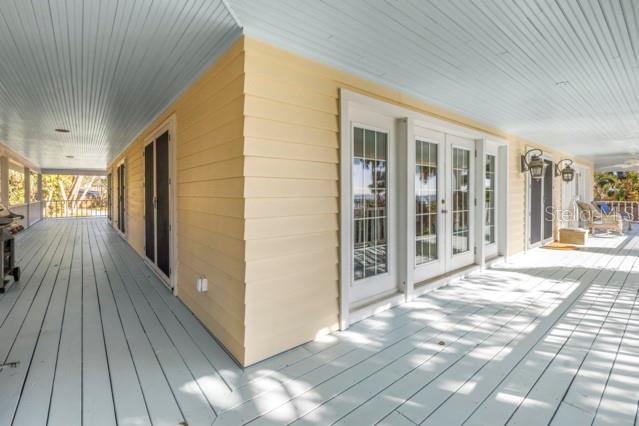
pixel 170 125
pixel 406 120
pixel 490 249
pixel 122 162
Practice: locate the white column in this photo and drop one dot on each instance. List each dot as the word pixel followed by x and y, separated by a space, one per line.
pixel 480 200
pixel 4 180
pixel 27 194
pixel 406 189
pixel 503 171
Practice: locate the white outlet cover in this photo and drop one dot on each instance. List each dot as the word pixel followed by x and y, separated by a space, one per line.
pixel 202 285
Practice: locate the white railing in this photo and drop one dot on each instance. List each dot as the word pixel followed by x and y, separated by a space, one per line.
pixel 629 209
pixel 22 209
pixel 75 208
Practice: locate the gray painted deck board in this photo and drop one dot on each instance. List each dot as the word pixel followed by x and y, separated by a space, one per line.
pixel 97 398
pixel 548 337
pixel 130 406
pixel 34 401
pixel 159 397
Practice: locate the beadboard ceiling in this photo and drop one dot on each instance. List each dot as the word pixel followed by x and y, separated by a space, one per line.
pixel 563 73
pixel 102 69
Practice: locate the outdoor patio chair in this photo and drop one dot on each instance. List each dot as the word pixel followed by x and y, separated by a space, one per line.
pixel 597 220
pixel 605 208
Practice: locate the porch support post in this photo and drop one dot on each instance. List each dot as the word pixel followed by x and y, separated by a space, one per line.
pixel 27 194
pixel 345 211
pixel 39 189
pixel 502 197
pixel 4 180
pixel 406 153
pixel 480 200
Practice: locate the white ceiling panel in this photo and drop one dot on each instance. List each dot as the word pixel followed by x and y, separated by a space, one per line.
pixel 99 68
pixel 564 73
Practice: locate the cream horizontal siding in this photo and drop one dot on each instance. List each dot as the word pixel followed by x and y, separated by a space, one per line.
pixel 210 206
pixel 291 206
pixel 258 195
pixel 516 201
pixel 291 149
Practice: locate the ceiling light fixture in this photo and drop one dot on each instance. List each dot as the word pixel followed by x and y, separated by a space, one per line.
pixel 62 130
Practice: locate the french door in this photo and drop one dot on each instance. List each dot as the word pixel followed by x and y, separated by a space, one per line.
pixel 157 223
pixel 541 206
pixel 373 206
pixel 121 171
pixel 444 203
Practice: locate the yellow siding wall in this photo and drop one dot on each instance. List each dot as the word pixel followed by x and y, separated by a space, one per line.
pixel 291 169
pixel 210 206
pixel 258 195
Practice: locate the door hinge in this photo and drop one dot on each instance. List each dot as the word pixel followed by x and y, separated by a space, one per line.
pixel 475 202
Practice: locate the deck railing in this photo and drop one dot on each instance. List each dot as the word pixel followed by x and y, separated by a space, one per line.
pixel 75 208
pixel 629 209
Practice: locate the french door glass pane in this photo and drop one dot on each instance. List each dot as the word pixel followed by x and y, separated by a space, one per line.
pixel 489 235
pixel 461 200
pixel 370 221
pixel 425 202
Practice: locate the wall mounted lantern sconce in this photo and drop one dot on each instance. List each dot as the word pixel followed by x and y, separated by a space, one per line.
pixel 532 162
pixel 567 172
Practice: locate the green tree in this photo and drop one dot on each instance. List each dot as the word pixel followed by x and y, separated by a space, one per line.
pixel 65 194
pixel 16 187
pixel 609 186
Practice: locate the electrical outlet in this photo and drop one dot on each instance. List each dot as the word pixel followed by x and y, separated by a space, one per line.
pixel 202 284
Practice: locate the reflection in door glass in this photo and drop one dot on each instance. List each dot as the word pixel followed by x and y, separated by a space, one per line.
pixel 425 202
pixel 461 200
pixel 370 221
pixel 489 234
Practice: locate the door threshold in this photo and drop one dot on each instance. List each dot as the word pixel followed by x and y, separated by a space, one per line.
pixel 444 279
pixel 375 305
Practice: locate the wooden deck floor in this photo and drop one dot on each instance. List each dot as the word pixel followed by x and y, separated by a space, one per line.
pixel 551 337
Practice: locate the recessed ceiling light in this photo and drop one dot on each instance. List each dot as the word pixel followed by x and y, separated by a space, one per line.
pixel 69 156
pixel 62 130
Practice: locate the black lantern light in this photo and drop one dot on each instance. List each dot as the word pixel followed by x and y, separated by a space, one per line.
pixel 567 172
pixel 535 165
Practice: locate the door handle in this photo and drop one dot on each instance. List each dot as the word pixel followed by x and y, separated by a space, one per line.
pixel 444 211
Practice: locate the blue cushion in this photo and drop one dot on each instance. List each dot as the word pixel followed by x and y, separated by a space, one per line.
pixel 605 208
